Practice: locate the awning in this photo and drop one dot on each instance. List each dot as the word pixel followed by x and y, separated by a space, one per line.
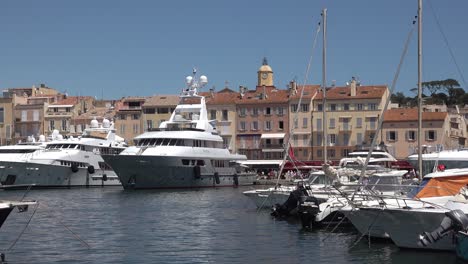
pixel 273 135
pixel 261 162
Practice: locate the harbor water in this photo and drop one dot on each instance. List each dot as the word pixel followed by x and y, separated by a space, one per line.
pixel 110 225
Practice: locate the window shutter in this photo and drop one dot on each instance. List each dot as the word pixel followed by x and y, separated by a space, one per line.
pixel 407 135
pixel 388 135
pixel 396 135
pixel 426 135
pixel 435 135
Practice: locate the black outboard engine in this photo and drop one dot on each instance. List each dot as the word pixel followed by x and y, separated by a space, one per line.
pixel 308 209
pixel 289 207
pixel 454 221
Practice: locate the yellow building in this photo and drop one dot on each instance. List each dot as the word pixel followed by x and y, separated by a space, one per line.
pixel 157 109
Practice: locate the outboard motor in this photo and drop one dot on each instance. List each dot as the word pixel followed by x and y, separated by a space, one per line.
pixel 289 207
pixel 454 221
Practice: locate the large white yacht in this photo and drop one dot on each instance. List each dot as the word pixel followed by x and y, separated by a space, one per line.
pixel 63 162
pixel 450 159
pixel 185 152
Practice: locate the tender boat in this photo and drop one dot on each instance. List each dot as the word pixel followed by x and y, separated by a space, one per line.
pixel 70 162
pixel 185 152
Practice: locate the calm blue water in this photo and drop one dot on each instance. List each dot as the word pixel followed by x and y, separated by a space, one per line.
pixel 204 226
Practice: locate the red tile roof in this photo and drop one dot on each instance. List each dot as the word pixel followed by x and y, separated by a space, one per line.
pixel 362 92
pixel 273 95
pixel 411 114
pixel 72 100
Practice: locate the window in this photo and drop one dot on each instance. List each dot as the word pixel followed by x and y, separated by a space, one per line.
pixel 55 109
pixel 149 110
pixel 36 115
pixel 359 122
pixel 332 123
pixel 372 122
pixel 345 152
pixel 136 128
pixel 268 111
pixel 242 125
pixel 431 135
pixel 359 138
pixel 319 153
pixel 2 115
pixel 51 125
pixel 135 116
pixel 149 124
pixel 255 125
pixel 411 135
pixel 305 107
pixel 359 107
pixel 392 135
pixel 319 107
pixel 242 111
pixel 331 153
pixel 24 115
pixel 305 153
pixel 212 114
pixel 296 123
pixel 225 115
pixel 255 111
pixel 68 109
pixel 332 107
pixel 346 107
pixel 304 122
pixel 163 110
pixel 305 140
pixel 319 123
pixel 294 108
pixel 319 139
pixel 280 111
pixel 267 125
pixel 295 138
pixel 64 125
pixel 280 125
pixel 122 129
pixel 372 106
pixel 346 137
pixel 345 124
pixel 332 138
pixel 122 117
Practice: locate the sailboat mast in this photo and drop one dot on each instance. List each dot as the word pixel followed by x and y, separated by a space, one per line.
pixel 324 84
pixel 420 102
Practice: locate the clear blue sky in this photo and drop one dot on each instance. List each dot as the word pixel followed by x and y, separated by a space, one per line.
pixel 146 47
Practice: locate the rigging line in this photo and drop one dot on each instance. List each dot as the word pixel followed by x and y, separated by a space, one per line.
pixel 392 88
pixel 447 44
pixel 69 230
pixel 27 191
pixel 286 147
pixel 24 229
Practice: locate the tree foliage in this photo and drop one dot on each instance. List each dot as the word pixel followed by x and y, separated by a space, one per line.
pixel 446 92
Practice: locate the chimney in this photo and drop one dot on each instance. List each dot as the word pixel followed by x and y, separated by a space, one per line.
pixel 353 86
pixel 242 91
pixel 292 87
pixel 212 93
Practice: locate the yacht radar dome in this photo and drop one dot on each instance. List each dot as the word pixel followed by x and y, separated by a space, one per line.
pixel 105 123
pixel 188 79
pixel 203 80
pixel 94 123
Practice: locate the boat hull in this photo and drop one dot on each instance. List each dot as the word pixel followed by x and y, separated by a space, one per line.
pixel 165 172
pixel 20 175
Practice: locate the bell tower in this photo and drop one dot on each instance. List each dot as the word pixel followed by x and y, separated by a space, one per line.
pixel 265 74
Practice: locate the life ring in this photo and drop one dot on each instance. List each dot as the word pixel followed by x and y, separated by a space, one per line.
pixel 74 167
pixel 216 176
pixel 236 179
pixel 196 172
pixel 91 169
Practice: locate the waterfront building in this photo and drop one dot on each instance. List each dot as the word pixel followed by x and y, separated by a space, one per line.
pixel 221 107
pixel 352 113
pixel 157 109
pixel 400 129
pixel 262 118
pixel 129 121
pixel 59 115
pixel 29 117
pixel 300 119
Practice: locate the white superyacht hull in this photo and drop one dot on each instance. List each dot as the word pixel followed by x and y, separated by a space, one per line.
pixel 162 172
pixel 15 175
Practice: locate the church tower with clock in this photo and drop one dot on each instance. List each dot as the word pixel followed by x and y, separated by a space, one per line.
pixel 265 74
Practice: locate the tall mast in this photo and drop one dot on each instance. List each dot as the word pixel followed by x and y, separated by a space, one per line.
pixel 324 84
pixel 420 103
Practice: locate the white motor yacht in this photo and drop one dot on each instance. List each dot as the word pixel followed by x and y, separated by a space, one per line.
pixel 185 152
pixel 450 159
pixel 67 162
